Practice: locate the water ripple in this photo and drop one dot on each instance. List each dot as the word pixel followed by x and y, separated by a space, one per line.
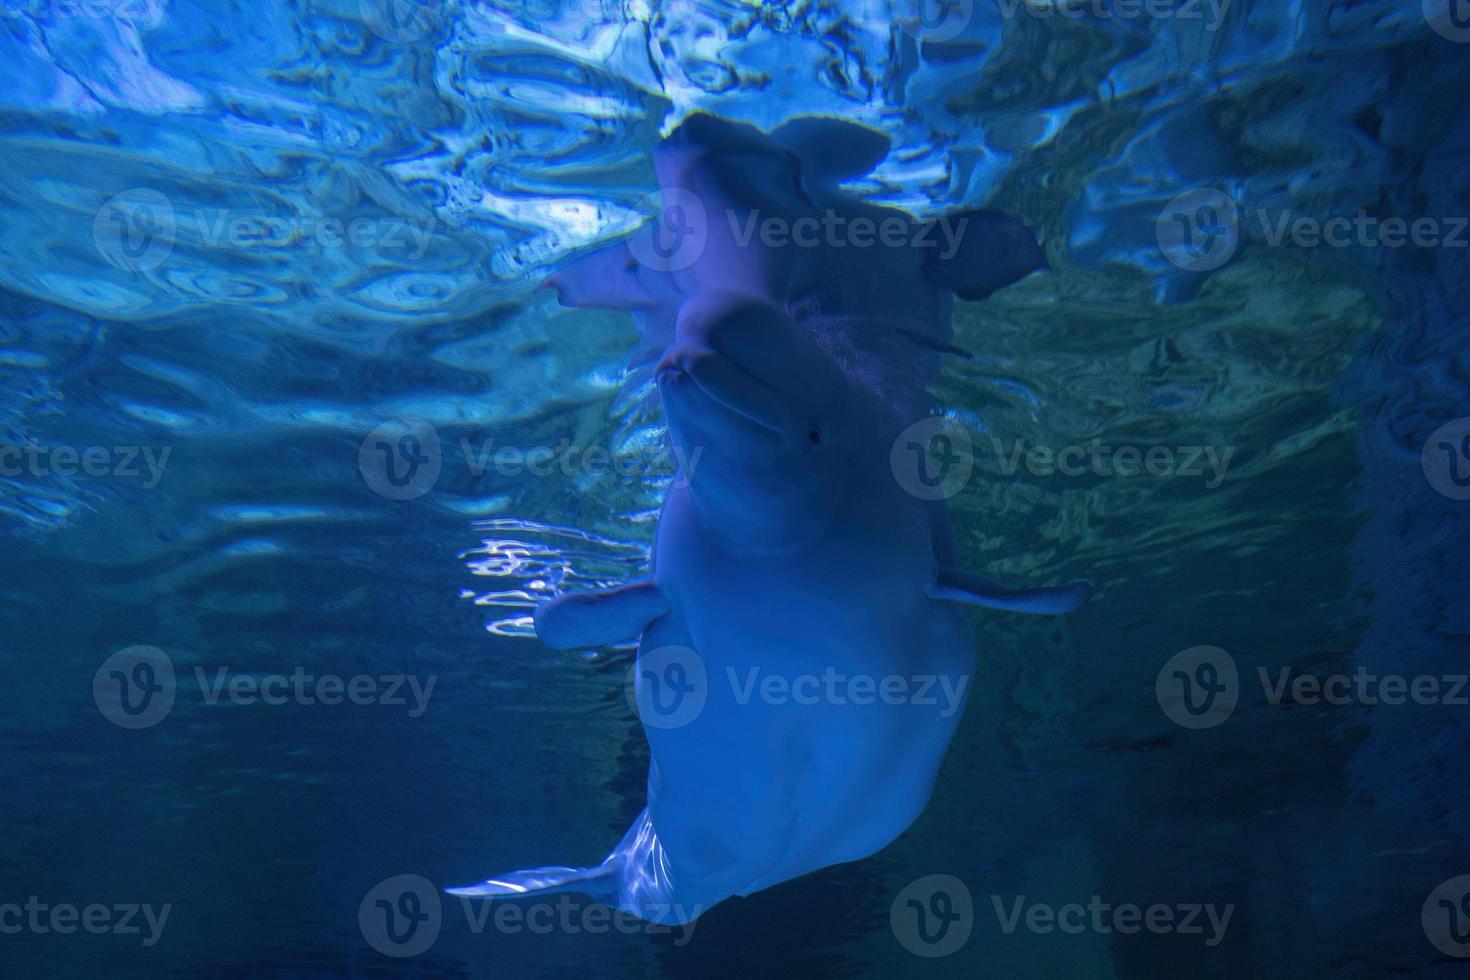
pixel 532 563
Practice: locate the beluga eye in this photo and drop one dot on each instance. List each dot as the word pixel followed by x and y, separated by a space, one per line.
pixel 815 438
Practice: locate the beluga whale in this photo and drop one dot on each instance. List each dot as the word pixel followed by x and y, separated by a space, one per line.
pixel 804 655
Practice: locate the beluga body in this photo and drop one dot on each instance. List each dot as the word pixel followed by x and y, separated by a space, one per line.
pixel 804 656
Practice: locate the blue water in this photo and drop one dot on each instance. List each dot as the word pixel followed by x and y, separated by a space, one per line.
pixel 237 239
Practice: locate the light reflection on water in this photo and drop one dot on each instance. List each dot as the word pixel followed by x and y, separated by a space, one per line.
pixel 543 561
pixel 516 139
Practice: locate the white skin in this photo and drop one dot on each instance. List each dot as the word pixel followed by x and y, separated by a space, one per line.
pixel 791 551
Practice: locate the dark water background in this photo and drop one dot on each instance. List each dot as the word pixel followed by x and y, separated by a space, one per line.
pixel 264 548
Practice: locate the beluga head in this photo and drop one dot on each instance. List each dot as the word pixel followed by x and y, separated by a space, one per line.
pixel 766 425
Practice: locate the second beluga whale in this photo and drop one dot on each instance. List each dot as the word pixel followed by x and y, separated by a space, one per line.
pixel 801 591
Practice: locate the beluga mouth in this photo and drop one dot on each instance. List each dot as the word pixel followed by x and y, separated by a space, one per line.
pixel 716 381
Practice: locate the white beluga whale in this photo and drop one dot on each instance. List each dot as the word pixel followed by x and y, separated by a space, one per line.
pixel 804 657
